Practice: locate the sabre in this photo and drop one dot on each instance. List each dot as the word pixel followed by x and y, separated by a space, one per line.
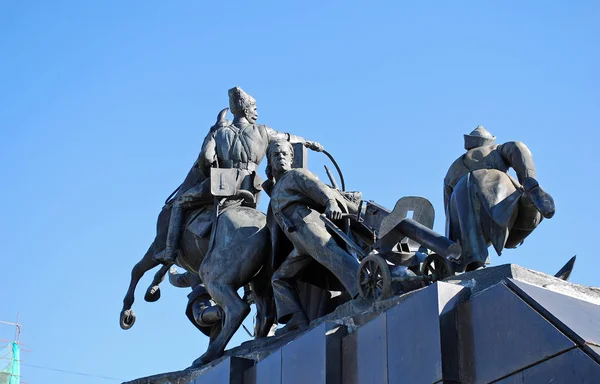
pixel 338 169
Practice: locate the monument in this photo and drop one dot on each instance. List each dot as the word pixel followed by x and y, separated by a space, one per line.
pixel 367 294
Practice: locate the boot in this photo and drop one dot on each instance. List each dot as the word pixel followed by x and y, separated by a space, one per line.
pixel 169 255
pixel 540 198
pixel 298 320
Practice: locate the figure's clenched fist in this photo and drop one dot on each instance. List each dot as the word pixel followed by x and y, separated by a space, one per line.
pixel 314 146
pixel 333 211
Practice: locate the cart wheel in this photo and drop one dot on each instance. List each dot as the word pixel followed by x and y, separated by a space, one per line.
pixel 374 278
pixel 435 267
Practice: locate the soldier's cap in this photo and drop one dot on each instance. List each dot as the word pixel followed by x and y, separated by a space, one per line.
pixel 479 137
pixel 239 100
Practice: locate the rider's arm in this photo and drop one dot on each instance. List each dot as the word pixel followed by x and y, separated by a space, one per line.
pixel 517 155
pixel 309 185
pixel 276 136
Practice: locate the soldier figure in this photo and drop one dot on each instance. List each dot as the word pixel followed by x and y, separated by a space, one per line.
pixel 297 200
pixel 239 146
pixel 484 205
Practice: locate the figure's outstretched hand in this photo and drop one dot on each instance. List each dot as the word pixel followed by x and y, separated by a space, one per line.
pixel 314 146
pixel 333 211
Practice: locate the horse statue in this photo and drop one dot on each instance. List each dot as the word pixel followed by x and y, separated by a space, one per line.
pixel 227 243
pixel 227 252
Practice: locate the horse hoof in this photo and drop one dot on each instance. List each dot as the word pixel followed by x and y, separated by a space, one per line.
pixel 152 294
pixel 127 319
pixel 199 362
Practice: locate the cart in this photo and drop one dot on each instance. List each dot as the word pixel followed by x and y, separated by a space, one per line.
pixel 398 249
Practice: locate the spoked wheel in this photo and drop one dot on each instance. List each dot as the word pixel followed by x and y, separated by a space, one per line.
pixel 435 267
pixel 374 278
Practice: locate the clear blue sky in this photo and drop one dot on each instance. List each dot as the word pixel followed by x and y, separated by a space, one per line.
pixel 104 106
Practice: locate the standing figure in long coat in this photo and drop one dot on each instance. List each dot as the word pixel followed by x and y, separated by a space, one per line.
pixel 298 199
pixel 485 206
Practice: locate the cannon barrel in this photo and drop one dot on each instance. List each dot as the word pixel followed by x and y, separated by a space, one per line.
pixel 429 238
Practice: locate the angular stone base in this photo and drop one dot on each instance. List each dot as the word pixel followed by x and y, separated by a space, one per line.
pixel 505 324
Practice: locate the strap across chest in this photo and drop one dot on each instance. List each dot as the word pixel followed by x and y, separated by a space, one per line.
pixel 238 134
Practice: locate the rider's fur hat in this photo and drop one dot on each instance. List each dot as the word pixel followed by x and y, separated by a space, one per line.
pixel 239 101
pixel 479 137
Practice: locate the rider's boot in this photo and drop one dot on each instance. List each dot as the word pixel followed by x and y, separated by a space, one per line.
pixel 169 255
pixel 540 198
pixel 297 321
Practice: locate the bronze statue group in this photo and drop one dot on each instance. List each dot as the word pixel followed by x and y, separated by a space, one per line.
pixel 212 228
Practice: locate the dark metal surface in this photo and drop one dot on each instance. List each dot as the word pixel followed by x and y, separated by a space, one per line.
pixel 579 319
pixel 593 351
pixel 414 335
pixel 333 351
pixel 413 207
pixel 485 206
pixel 300 156
pixel 300 198
pixel 331 177
pixel 337 167
pixel 250 375
pixel 435 267
pixel 565 272
pixel 500 334
pixel 374 215
pixel 239 145
pixel 343 236
pixel 365 354
pixel 229 371
pixel 374 278
pixel 266 371
pixel 314 358
pixel 429 238
pixel 572 367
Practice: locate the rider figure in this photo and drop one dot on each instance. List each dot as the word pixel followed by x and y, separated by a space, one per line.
pixel 484 205
pixel 240 145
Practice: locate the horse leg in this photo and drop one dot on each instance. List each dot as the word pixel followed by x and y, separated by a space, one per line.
pixel 214 332
pixel 127 318
pixel 263 297
pixel 235 310
pixel 153 291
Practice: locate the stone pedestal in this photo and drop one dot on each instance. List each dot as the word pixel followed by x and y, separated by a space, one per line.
pixel 502 324
pixel 314 357
pixel 416 339
pixel 229 371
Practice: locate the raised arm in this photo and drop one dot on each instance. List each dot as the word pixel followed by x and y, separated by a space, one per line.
pixel 518 156
pixel 276 135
